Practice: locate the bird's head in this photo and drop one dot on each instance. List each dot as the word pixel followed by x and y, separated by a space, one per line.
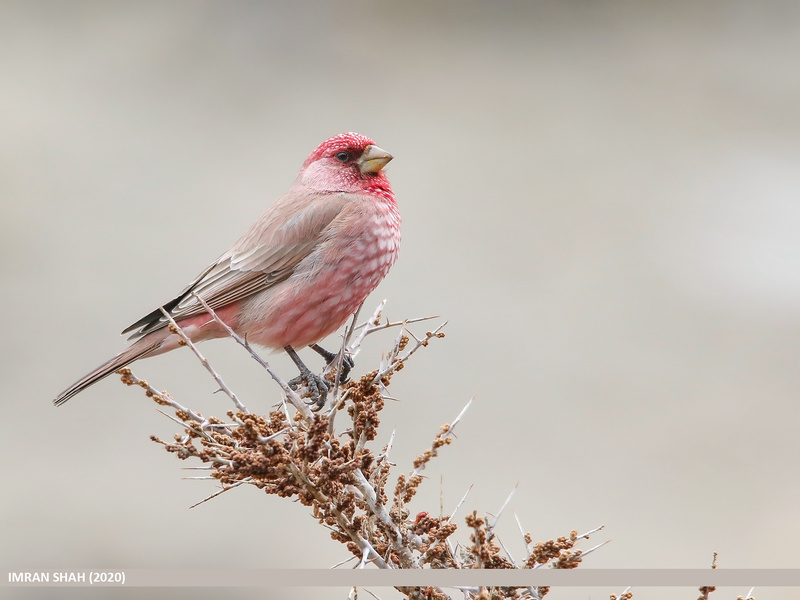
pixel 348 162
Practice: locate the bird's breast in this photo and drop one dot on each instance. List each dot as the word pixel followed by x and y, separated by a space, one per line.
pixel 330 284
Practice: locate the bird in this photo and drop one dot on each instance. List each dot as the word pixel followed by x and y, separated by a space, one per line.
pixel 305 265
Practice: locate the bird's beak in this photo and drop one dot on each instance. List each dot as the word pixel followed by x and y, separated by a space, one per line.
pixel 372 160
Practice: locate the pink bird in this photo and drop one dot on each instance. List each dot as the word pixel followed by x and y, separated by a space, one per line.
pixel 298 273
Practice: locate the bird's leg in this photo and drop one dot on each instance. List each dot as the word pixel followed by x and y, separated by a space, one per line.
pixel 347 361
pixel 317 385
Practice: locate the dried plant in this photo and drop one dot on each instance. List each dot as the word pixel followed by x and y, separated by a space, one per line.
pixel 332 468
pixel 706 590
pixel 326 461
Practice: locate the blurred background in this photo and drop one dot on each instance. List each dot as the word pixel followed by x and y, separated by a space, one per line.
pixel 600 198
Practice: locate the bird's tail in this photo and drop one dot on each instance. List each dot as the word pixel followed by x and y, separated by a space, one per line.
pixel 135 352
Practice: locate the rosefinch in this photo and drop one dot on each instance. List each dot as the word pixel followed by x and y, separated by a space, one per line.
pixel 297 274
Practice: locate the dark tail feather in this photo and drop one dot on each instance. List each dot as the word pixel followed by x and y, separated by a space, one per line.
pixel 121 360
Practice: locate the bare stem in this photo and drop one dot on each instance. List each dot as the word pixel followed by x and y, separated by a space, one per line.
pixel 175 328
pixel 291 395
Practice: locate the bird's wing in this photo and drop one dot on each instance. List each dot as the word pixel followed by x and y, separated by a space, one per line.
pixel 267 254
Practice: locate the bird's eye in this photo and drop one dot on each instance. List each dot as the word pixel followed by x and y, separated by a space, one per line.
pixel 342 156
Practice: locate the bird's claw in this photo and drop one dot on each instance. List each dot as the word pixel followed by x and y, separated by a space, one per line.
pixel 331 357
pixel 317 389
pixel 347 364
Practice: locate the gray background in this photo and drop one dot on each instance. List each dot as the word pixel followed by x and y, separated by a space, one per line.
pixel 602 198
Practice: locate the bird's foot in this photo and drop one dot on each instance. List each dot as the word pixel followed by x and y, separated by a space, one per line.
pixel 331 357
pixel 317 386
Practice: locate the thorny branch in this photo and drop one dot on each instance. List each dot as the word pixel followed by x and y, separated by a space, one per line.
pixel 345 483
pixel 290 394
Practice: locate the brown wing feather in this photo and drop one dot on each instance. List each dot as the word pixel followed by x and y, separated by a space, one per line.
pixel 267 254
